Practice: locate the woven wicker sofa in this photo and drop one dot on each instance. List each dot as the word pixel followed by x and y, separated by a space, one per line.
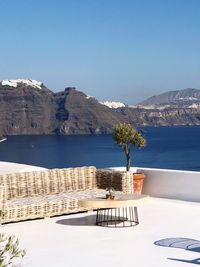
pixel 54 192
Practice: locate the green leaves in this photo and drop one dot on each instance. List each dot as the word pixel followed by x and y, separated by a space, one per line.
pixel 9 251
pixel 125 134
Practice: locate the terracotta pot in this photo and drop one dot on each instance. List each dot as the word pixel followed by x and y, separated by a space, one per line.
pixel 138 179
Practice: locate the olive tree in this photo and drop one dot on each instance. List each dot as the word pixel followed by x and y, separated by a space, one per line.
pixel 126 137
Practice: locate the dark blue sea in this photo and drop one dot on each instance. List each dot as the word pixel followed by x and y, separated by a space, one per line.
pixel 167 147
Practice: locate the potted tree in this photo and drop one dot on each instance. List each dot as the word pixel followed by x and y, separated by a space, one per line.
pixel 126 137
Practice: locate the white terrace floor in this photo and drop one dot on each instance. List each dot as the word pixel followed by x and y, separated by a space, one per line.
pixel 74 240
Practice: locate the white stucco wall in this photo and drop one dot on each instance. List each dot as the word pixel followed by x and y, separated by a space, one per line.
pixel 182 185
pixel 11 167
pixel 175 184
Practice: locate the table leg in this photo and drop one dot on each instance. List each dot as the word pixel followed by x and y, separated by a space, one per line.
pixel 117 217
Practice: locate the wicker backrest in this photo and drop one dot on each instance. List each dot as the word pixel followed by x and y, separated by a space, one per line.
pixel 120 180
pixel 18 185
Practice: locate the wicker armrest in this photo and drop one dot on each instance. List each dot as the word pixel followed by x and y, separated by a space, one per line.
pixel 2 201
pixel 2 195
pixel 120 180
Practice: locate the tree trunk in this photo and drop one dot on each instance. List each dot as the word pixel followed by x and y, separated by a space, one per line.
pixel 128 158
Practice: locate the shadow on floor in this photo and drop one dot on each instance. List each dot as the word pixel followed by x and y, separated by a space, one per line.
pixel 180 242
pixel 183 243
pixel 89 220
pixel 195 261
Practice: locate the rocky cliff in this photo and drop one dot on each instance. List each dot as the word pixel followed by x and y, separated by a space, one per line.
pixel 165 117
pixel 25 109
pixel 80 114
pixel 28 107
pixel 179 98
pixel 181 107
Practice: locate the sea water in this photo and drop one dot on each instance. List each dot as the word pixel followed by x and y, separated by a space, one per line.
pixel 167 147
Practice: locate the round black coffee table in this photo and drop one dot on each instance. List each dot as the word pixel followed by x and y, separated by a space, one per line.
pixel 120 212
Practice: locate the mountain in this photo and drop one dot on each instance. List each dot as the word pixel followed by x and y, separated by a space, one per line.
pixel 181 107
pixel 171 116
pixel 26 107
pixel 80 114
pixel 29 107
pixel 179 98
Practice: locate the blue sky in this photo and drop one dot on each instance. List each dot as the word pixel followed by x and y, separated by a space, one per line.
pixel 120 50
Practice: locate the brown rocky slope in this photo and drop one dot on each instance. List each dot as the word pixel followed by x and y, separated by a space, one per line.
pixel 25 109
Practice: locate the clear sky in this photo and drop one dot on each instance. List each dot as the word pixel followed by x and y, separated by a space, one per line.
pixel 120 50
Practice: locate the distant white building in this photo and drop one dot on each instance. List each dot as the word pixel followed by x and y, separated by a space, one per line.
pixel 111 104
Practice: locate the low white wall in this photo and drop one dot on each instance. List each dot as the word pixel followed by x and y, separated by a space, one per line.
pixel 174 184
pixel 182 185
pixel 11 167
